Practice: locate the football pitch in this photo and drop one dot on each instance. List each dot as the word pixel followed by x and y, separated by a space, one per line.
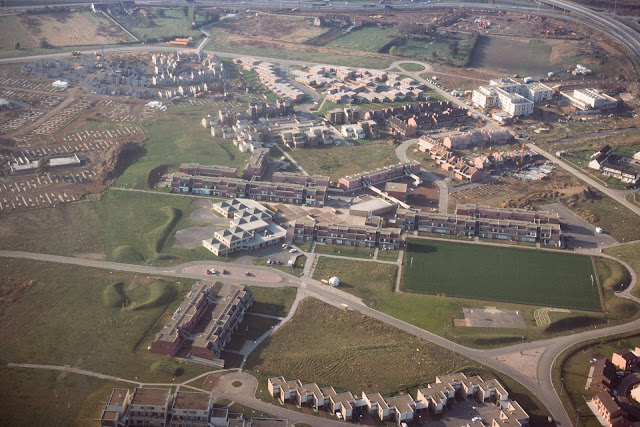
pixel 500 274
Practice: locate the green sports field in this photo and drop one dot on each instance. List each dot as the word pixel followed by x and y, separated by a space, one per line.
pixel 500 274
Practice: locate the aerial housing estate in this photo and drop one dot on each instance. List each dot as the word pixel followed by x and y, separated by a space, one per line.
pixel 514 98
pixel 183 335
pixel 435 398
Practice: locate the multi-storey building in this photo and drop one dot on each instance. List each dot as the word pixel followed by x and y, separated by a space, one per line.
pixel 514 98
pixel 380 175
pixel 149 406
pixel 226 310
pixel 114 413
pixel 296 178
pixel 191 409
pixel 349 235
pixel 590 99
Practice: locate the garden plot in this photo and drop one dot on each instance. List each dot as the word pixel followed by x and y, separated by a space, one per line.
pixel 24 117
pixel 29 84
pixel 62 118
pixel 90 135
pixel 33 98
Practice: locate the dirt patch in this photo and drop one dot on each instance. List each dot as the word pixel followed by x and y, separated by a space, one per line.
pixel 117 159
pixel 11 290
pixel 210 382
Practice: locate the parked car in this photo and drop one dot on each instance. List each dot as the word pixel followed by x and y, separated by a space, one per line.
pixel 293 250
pixel 212 271
pixel 246 273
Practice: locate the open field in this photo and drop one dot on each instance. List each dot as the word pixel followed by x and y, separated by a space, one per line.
pixel 367 39
pixel 501 274
pixel 110 228
pixel 225 41
pixel 330 346
pixel 60 318
pixel 172 23
pixel 337 162
pixel 573 367
pixel 59 29
pixel 512 56
pixel 387 255
pixel 272 301
pixel 178 139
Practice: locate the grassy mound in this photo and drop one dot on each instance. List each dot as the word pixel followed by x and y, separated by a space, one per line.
pixel 569 323
pixel 160 293
pixel 158 237
pixel 126 254
pixel 114 296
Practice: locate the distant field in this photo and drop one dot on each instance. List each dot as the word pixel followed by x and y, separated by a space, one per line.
pixel 341 161
pixel 368 39
pixel 511 56
pixel 501 274
pixel 172 23
pixel 59 29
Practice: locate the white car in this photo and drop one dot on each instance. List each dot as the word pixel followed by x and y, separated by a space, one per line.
pixel 339 415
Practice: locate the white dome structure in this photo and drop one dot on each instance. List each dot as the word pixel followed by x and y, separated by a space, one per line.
pixel 334 281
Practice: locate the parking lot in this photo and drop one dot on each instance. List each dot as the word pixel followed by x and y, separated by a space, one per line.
pixel 461 414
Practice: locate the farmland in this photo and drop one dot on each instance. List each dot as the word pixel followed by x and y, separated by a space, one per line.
pixel 59 29
pixel 337 162
pixel 329 346
pixel 514 56
pixel 500 274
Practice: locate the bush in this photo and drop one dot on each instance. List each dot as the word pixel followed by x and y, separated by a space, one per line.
pixel 45 44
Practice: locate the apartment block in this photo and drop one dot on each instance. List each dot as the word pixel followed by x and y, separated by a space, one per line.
pixel 490 212
pixel 251 227
pixel 590 99
pixel 514 98
pixel 257 164
pixel 297 178
pixel 433 398
pixel 610 410
pixel 114 413
pixel 195 169
pixel 380 175
pixel 226 310
pixel 149 406
pixel 467 222
pixel 191 409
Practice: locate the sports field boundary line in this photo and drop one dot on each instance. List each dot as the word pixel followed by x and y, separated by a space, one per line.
pixel 595 273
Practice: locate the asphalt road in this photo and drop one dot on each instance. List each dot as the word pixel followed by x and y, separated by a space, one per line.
pixel 542 388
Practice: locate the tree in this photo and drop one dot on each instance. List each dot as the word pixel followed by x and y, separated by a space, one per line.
pixel 185 10
pixel 191 15
pixel 160 13
pixel 17 47
pixel 44 44
pixel 144 37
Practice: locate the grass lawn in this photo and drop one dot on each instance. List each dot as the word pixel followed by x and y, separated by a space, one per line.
pixel 251 328
pixel 500 274
pixel 631 255
pixel 411 67
pixel 330 346
pixel 173 23
pixel 345 251
pixel 176 139
pixel 337 162
pixel 387 255
pixel 272 301
pixel 616 220
pixel 58 317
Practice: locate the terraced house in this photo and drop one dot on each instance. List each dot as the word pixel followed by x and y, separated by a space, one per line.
pixel 349 235
pixel 433 398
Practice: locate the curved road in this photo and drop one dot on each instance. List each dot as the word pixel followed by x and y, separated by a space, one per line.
pixel 542 388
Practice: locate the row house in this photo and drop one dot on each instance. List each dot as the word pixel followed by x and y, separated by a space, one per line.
pixel 297 178
pixel 149 406
pixel 610 410
pixel 380 175
pixel 491 212
pixel 195 169
pixel 599 157
pixel 433 398
pixel 518 231
pixel 477 139
pixel 467 225
pixel 449 161
pixel 349 235
pixel 626 359
pixel 626 175
pixel 601 373
pixel 398 127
